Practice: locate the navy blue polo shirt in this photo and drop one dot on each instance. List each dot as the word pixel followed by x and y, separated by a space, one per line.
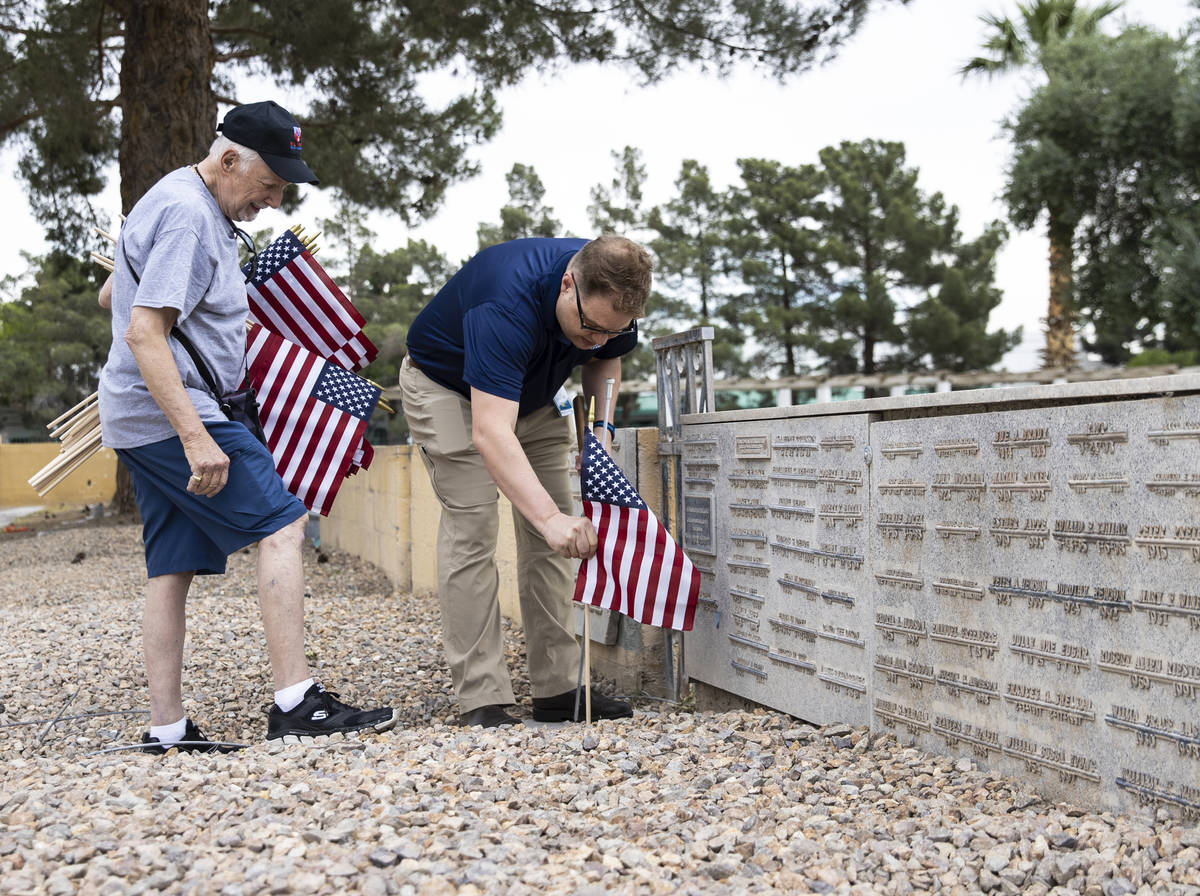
pixel 493 327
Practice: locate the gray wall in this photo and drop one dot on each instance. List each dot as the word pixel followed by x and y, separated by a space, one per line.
pixel 1009 575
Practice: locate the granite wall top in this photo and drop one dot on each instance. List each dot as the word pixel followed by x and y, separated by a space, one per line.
pixel 970 400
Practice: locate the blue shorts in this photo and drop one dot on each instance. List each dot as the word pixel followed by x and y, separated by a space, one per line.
pixel 184 532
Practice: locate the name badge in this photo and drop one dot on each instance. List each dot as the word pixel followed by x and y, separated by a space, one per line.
pixel 562 401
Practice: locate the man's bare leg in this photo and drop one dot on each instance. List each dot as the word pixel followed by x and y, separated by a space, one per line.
pixel 281 599
pixel 164 625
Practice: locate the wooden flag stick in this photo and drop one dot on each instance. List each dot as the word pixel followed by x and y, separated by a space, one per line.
pixel 582 412
pixel 103 260
pixel 107 236
pixel 63 416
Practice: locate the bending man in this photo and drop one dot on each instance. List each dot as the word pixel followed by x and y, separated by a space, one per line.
pixel 485 359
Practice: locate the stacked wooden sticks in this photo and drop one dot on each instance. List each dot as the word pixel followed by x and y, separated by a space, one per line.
pixel 79 431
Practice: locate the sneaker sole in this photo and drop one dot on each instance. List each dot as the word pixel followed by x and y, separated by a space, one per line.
pixel 340 734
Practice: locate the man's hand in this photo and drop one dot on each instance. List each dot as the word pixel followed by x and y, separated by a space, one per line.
pixel 208 463
pixel 573 537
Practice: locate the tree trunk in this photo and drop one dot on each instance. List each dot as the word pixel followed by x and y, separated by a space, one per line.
pixel 1060 329
pixel 168 111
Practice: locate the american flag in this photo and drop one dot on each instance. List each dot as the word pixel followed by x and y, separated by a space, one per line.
pixel 292 295
pixel 638 569
pixel 313 412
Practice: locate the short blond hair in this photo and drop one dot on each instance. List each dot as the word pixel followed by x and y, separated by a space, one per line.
pixel 617 267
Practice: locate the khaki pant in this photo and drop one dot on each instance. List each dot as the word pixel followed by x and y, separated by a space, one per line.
pixel 468 583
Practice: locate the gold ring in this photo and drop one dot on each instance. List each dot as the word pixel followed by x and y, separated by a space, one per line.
pixel 197 478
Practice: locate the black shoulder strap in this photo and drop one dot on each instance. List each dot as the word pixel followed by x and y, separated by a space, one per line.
pixel 201 367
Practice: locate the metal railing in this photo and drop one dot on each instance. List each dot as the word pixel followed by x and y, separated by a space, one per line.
pixel 684 382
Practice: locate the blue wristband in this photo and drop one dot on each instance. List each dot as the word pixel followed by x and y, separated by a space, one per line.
pixel 612 429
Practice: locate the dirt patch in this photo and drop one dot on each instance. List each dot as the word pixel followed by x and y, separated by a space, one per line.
pixel 68 516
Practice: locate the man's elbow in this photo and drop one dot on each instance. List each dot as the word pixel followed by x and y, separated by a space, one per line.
pixel 138 337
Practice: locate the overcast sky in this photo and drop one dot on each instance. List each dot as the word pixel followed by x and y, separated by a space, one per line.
pixel 896 80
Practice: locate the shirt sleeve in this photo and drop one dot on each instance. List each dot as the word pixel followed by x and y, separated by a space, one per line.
pixel 177 274
pixel 498 351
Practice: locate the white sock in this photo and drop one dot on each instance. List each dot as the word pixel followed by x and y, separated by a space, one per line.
pixel 169 734
pixel 289 698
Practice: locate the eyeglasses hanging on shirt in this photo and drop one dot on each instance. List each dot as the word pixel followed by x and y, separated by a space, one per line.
pixel 250 268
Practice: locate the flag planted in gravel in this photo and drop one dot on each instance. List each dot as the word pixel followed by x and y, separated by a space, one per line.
pixel 638 569
pixel 292 295
pixel 314 414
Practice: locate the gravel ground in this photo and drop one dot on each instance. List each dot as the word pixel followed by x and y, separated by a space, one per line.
pixel 668 802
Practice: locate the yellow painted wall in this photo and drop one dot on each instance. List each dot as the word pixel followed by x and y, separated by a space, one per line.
pixel 94 482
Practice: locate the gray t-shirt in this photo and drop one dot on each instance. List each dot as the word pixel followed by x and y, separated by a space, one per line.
pixel 185 255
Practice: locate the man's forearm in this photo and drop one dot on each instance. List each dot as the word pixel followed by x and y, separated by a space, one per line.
pixel 147 342
pixel 511 471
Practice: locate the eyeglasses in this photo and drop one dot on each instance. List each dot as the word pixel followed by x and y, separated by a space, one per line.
pixel 592 328
pixel 248 242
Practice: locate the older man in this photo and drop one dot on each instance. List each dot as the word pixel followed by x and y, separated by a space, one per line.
pixel 205 486
pixel 485 359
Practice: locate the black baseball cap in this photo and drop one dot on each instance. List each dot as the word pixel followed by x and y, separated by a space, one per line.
pixel 272 132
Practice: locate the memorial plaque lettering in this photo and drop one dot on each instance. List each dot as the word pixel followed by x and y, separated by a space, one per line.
pixel 698 523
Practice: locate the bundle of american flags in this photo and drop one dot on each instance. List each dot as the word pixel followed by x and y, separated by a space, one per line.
pixel 638 569
pixel 306 340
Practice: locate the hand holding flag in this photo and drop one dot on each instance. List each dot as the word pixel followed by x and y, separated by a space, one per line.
pixel 638 569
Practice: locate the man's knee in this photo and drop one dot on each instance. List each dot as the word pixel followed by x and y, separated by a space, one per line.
pixel 289 537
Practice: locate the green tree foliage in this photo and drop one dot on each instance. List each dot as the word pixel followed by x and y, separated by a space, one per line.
pixel 1109 138
pixel 689 246
pixel 55 337
pixel 84 80
pixel 892 248
pixel 1030 40
pixel 947 330
pixel 775 235
pixel 617 208
pixel 525 215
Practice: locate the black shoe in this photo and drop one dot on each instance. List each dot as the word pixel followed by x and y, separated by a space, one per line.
pixel 192 742
pixel 319 714
pixel 490 716
pixel 562 708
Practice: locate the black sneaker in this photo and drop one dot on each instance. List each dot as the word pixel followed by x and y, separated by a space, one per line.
pixel 320 714
pixel 490 716
pixel 193 742
pixel 562 708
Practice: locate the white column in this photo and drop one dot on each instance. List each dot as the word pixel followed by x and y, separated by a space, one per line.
pixel 824 393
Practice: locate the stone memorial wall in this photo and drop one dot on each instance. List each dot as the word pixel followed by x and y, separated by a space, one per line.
pixel 1018 582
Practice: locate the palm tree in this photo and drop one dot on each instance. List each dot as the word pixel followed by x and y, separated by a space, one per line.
pixel 1018 44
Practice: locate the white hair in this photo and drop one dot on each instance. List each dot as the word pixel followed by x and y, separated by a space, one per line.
pixel 246 156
